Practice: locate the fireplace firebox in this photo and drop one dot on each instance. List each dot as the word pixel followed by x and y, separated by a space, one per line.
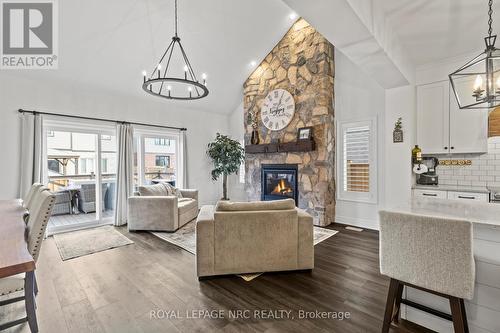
pixel 279 181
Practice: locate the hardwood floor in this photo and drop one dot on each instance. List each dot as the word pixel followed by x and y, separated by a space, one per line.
pixel 116 290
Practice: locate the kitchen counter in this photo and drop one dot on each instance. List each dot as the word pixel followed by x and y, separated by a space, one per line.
pixel 475 212
pixel 483 311
pixel 455 188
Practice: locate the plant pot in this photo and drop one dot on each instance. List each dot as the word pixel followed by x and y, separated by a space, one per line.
pixel 255 140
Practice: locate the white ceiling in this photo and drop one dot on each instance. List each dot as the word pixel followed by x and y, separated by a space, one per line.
pixel 108 43
pixel 433 30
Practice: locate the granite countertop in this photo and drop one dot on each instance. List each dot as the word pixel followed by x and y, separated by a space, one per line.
pixel 455 188
pixel 476 212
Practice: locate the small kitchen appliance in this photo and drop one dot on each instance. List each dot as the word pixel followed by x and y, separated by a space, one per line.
pixel 426 171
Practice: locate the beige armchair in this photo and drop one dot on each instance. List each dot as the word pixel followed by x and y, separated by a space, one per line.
pixel 249 237
pixel 156 208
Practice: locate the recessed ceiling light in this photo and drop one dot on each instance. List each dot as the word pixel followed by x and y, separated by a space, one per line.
pixel 293 16
pixel 253 63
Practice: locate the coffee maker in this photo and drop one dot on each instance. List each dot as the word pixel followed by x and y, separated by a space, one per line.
pixel 426 171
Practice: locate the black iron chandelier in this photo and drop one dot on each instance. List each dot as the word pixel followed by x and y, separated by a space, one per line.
pixel 164 83
pixel 476 84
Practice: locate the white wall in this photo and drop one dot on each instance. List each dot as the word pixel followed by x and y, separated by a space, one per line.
pixel 359 97
pixel 399 102
pixel 17 92
pixel 236 190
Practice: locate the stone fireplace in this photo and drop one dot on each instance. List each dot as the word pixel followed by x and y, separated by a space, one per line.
pixel 302 63
pixel 279 181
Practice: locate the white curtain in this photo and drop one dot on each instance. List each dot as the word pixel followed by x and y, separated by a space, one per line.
pixel 184 160
pixel 125 171
pixel 31 151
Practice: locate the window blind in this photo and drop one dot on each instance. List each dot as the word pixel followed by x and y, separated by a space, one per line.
pixel 356 159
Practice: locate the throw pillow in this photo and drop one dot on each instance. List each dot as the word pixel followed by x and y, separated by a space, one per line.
pixel 173 190
pixel 152 190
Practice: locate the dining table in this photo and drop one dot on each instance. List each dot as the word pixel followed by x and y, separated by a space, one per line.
pixel 14 255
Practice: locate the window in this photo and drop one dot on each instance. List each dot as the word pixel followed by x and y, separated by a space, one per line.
pixel 104 164
pixel 53 165
pixel 163 161
pixel 357 169
pixel 162 142
pixel 86 166
pixel 50 134
pixel 158 156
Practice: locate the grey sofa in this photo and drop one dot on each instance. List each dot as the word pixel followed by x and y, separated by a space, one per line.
pixel 156 208
pixel 249 237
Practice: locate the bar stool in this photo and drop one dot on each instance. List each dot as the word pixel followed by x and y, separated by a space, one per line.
pixel 432 254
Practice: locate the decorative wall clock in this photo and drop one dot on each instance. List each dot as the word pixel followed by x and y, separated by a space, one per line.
pixel 278 109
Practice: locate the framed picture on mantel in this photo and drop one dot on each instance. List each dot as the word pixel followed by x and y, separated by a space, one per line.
pixel 304 133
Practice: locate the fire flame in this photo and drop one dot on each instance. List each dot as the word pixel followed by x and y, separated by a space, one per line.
pixel 282 188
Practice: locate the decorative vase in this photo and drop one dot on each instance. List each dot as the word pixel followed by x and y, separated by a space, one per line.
pixel 255 140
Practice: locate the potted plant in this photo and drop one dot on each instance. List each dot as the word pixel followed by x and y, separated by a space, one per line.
pixel 227 156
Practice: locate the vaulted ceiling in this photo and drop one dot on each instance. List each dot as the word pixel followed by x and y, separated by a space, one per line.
pixel 432 30
pixel 106 44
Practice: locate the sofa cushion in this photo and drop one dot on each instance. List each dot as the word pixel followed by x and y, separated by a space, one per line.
pixel 152 190
pixel 186 205
pixel 255 206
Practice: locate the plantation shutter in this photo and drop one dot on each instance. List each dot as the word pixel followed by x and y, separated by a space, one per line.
pixel 356 159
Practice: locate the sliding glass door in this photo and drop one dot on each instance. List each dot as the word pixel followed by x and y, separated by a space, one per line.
pixel 81 172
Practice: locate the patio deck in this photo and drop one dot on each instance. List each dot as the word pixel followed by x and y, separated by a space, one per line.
pixel 63 221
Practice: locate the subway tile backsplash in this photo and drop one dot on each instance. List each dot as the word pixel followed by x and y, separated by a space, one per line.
pixel 484 170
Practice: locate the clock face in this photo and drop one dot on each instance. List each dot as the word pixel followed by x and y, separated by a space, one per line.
pixel 278 109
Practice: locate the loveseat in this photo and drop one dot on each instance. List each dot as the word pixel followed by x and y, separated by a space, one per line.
pixel 161 207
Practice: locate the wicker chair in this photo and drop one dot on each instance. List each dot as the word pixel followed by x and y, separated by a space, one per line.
pixel 62 205
pixel 87 198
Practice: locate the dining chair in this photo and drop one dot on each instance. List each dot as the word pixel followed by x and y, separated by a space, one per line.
pixel 26 201
pixel 432 254
pixel 37 188
pixel 41 208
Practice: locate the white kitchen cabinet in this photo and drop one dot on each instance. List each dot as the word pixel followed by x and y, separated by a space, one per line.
pixel 443 128
pixel 429 193
pixel 433 118
pixel 471 196
pixel 468 128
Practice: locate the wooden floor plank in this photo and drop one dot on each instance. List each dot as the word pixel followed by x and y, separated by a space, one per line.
pixel 124 289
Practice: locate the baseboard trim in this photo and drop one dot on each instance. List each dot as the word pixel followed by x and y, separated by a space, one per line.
pixel 357 222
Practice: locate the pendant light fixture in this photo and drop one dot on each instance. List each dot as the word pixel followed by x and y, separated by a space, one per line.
pixel 476 84
pixel 163 83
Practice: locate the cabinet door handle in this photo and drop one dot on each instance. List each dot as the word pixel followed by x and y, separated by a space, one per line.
pixel 445 147
pixel 452 147
pixel 430 194
pixel 465 197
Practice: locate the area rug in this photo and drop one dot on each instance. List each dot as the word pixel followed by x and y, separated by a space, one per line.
pixel 185 238
pixel 83 242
